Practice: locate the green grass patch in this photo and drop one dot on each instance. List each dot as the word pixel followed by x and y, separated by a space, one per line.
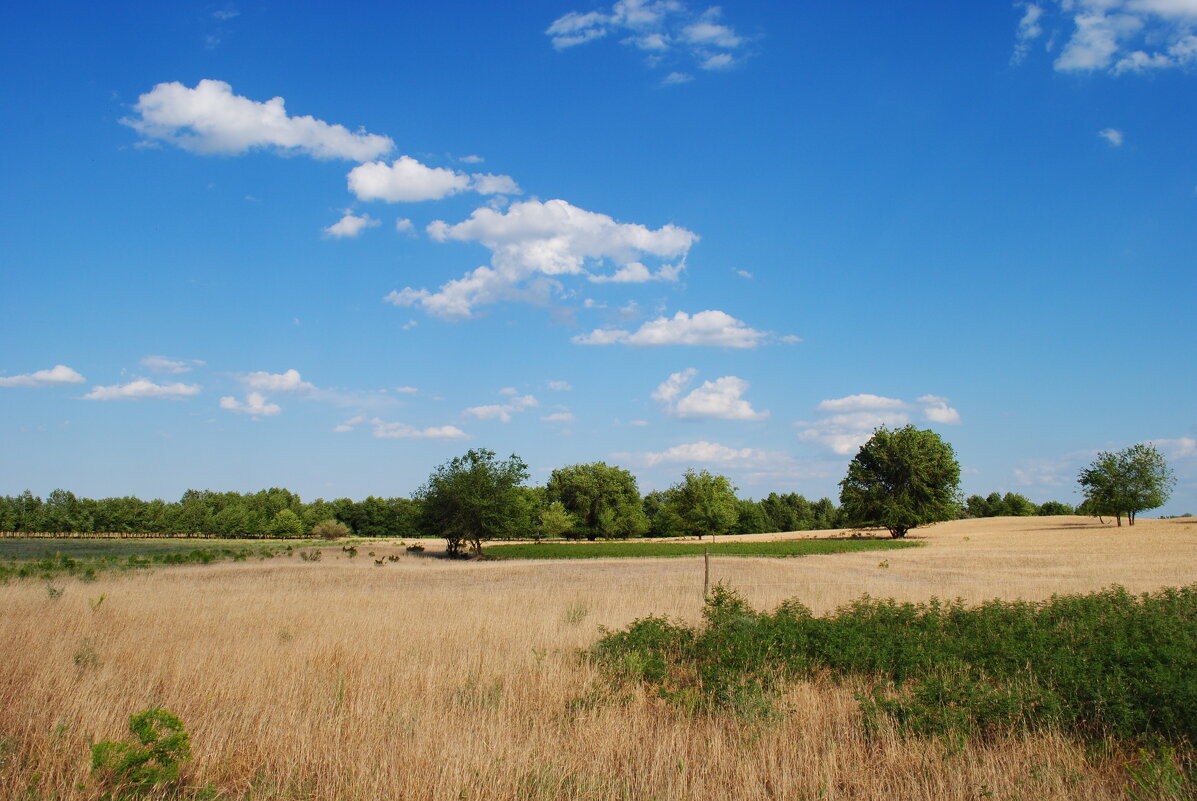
pixel 642 548
pixel 47 559
pixel 1108 664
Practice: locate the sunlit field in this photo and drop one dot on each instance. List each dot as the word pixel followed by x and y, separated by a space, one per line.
pixel 422 678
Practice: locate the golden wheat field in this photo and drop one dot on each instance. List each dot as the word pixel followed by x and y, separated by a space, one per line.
pixel 429 679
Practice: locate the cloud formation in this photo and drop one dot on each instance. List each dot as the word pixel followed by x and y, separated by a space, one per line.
pixel 142 388
pixel 289 381
pixel 255 404
pixel 721 399
pixel 1111 135
pixel 663 31
pixel 706 454
pixel 1117 36
pixel 210 119
pixel 533 245
pixel 711 328
pixel 161 364
pixel 350 225
pixel 855 417
pixel 58 374
pixel 502 411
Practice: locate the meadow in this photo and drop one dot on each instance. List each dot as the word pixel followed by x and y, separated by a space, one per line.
pixel 357 677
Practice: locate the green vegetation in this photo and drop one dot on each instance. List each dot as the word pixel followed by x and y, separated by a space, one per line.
pixel 1126 482
pixel 46 559
pixel 606 550
pixel 1106 664
pixel 476 497
pixel 149 762
pixel 602 500
pixel 901 479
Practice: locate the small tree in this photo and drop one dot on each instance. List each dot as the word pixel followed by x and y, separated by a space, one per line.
pixel 1126 482
pixel 901 479
pixel 286 524
pixel 330 529
pixel 473 498
pixel 554 521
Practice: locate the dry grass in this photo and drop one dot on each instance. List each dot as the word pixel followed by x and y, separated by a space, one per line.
pixel 424 679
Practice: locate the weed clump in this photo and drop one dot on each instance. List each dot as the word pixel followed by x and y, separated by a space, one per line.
pixel 131 768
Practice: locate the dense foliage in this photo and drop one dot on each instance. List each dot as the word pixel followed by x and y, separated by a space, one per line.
pixel 1105 664
pixel 1126 482
pixel 901 479
pixel 602 500
pixel 476 497
pixel 1012 504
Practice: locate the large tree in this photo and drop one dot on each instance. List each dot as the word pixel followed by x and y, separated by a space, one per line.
pixel 602 498
pixel 475 497
pixel 901 479
pixel 1126 482
pixel 703 503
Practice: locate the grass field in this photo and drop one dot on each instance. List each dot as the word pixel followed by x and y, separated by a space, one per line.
pixel 435 679
pixel 648 548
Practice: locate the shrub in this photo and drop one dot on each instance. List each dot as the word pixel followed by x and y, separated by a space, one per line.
pixel 330 529
pixel 127 769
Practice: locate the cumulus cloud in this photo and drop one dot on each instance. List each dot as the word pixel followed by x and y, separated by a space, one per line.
pixel 665 31
pixel 289 381
pixel 720 399
pixel 350 225
pixel 712 328
pixel 210 119
pixel 855 417
pixel 142 388
pixel 385 430
pixel 502 411
pixel 533 245
pixel 706 454
pixel 1111 135
pixel 1177 449
pixel 161 364
pixel 405 180
pixel 255 404
pixel 58 374
pixel 1117 36
pixel 490 184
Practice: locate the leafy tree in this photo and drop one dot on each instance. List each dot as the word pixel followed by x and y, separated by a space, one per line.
pixel 1019 505
pixel 751 518
pixel 602 498
pixel 286 524
pixel 554 521
pixel 901 479
pixel 1126 482
pixel 475 497
pixel 330 529
pixel 703 503
pixel 1049 508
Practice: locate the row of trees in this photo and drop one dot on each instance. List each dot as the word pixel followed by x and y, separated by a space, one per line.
pixel 898 480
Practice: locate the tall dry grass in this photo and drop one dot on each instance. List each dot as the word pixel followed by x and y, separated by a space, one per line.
pixel 424 679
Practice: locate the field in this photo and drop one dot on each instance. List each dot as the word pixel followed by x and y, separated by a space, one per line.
pixel 428 679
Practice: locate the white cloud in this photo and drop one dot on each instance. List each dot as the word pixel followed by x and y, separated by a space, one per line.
pixel 350 225
pixel 936 410
pixel 1180 448
pixel 210 119
pixel 720 399
pixel 471 159
pixel 58 374
pixel 1118 36
pixel 349 425
pixel 637 273
pixel 405 180
pixel 490 184
pixel 703 454
pixel 559 417
pixel 289 381
pixel 665 30
pixel 712 328
pixel 161 364
pixel 854 403
pixel 255 404
pixel 676 78
pixel 1111 135
pixel 142 388
pixel 533 244
pixel 405 226
pixel 560 386
pixel 407 390
pixel 744 274
pixel 857 416
pixel 671 387
pixel 385 430
pixel 502 411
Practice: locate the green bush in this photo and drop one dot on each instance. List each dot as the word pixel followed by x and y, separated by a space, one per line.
pixel 330 529
pixel 128 769
pixel 1106 664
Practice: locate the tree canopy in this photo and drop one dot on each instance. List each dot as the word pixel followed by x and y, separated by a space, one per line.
pixel 1126 482
pixel 603 500
pixel 901 479
pixel 702 503
pixel 476 497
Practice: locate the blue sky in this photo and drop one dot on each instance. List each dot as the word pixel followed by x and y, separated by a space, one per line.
pixel 329 247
